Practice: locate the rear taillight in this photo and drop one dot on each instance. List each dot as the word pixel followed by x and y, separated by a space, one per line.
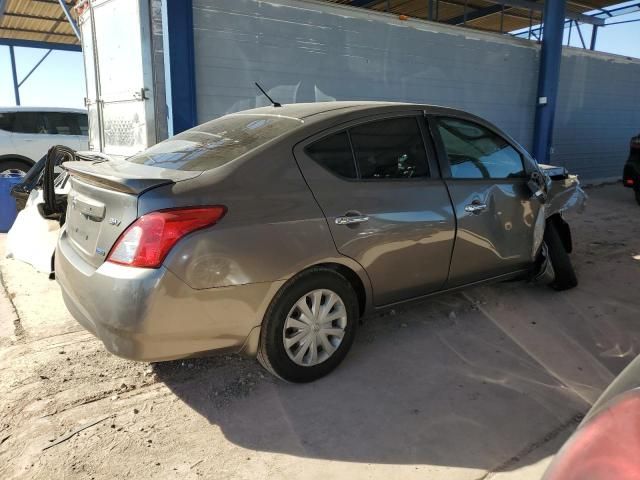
pixel 629 182
pixel 148 240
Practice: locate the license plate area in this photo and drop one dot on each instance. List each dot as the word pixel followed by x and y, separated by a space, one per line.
pixel 85 221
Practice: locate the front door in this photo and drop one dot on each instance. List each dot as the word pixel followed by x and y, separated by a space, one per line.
pixel 496 215
pixel 385 203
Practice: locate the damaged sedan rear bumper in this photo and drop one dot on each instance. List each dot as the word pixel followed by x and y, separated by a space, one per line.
pixel 152 315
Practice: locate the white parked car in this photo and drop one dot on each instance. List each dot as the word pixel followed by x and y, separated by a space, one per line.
pixel 27 133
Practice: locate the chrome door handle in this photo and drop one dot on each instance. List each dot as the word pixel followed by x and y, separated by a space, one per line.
pixel 352 219
pixel 475 207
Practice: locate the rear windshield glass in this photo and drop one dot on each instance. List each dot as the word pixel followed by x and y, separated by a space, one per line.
pixel 215 143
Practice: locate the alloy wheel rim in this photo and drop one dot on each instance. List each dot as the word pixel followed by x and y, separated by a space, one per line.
pixel 314 327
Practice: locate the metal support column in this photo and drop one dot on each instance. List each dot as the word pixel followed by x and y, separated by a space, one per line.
pixel 180 77
pixel 594 35
pixel 580 35
pixel 14 74
pixel 548 78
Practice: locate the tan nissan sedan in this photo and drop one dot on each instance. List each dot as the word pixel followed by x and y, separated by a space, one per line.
pixel 273 231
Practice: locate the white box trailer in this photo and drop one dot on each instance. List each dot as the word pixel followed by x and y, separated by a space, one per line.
pixel 157 67
pixel 122 92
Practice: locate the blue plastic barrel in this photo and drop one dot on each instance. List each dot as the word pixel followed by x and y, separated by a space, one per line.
pixel 8 210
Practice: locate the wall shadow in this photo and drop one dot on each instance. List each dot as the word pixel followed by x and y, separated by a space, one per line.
pixel 435 384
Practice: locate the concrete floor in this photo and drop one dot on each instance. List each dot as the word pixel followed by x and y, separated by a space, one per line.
pixel 483 384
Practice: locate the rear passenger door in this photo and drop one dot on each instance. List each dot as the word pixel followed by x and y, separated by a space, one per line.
pixel 376 181
pixel 487 181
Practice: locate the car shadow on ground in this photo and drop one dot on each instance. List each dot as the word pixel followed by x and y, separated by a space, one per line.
pixel 432 384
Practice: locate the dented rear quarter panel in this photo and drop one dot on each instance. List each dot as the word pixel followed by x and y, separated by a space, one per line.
pixel 273 228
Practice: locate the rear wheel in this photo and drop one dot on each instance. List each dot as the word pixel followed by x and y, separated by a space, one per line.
pixel 565 275
pixel 14 167
pixel 637 192
pixel 309 326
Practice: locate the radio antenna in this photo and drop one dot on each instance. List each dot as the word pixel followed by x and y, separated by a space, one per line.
pixel 275 104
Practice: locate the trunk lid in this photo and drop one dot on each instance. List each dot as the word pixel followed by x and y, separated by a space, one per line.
pixel 103 202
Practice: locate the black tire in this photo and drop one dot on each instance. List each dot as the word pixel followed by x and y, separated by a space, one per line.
pixel 6 165
pixel 565 275
pixel 637 192
pixel 271 352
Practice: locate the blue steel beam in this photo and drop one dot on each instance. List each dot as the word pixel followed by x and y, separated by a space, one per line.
pixel 180 77
pixel 602 16
pixel 594 35
pixel 14 42
pixel 72 22
pixel 624 21
pixel 34 68
pixel 580 34
pixel 14 75
pixel 548 78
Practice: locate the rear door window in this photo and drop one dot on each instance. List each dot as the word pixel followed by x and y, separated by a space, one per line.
pixel 390 149
pixel 61 123
pixel 217 142
pixel 29 122
pixel 475 152
pixel 6 121
pixel 334 154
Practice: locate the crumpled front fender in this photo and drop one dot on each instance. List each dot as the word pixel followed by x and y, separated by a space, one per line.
pixel 562 195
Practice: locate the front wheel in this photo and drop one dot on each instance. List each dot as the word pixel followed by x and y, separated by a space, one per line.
pixel 565 275
pixel 309 326
pixel 13 167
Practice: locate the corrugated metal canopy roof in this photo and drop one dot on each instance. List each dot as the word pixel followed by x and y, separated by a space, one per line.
pixel 45 21
pixel 41 21
pixel 480 14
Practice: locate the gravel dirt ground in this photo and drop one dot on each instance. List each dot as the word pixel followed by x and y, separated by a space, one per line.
pixel 487 383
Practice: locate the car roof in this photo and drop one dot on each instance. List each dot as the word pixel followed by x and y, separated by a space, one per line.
pixel 306 110
pixel 41 109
